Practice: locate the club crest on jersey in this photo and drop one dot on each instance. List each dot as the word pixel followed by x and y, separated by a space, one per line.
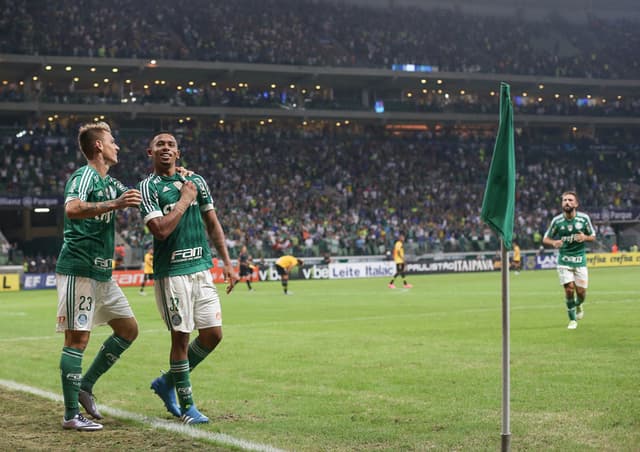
pixel 177 184
pixel 82 320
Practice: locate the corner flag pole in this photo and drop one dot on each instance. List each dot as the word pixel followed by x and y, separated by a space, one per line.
pixel 506 352
pixel 498 208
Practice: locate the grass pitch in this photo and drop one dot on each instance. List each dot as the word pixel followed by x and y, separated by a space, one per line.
pixel 352 365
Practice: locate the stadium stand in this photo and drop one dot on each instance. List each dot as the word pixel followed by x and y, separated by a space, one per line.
pixel 311 182
pixel 322 34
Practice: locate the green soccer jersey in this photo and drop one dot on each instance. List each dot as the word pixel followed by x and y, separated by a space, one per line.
pixel 88 245
pixel 572 253
pixel 186 250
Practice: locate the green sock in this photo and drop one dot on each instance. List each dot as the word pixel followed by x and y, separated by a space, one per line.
pixel 571 309
pixel 70 374
pixel 197 353
pixel 109 353
pixel 579 300
pixel 180 373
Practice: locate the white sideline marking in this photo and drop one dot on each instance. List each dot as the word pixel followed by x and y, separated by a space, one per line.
pixel 186 430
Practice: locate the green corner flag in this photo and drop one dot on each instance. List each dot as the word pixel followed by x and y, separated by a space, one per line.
pixel 498 204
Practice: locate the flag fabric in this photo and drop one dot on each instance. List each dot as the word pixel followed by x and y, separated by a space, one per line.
pixel 498 204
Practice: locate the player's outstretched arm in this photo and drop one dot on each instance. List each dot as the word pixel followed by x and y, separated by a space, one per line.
pixel 77 209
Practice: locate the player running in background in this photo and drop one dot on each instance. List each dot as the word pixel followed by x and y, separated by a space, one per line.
pixel 148 269
pixel 245 265
pixel 568 232
pixel 398 258
pixel 284 264
pixel 516 260
pixel 180 214
pixel 87 296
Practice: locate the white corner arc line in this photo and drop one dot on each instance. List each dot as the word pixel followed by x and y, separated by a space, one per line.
pixel 156 423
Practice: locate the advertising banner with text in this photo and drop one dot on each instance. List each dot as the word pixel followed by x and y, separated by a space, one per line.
pixel 10 282
pixel 386 269
pixel 613 259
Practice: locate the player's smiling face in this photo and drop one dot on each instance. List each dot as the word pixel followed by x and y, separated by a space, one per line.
pixel 164 150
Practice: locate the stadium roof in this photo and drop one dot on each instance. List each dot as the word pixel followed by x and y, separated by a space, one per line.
pixel 574 10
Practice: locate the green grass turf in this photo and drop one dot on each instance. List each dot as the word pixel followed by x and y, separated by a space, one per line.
pixel 353 365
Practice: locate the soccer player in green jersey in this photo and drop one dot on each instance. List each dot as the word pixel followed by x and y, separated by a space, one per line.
pixel 179 213
pixel 87 296
pixel 568 232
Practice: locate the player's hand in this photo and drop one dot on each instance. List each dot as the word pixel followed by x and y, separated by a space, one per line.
pixel 231 277
pixel 181 170
pixel 557 244
pixel 130 198
pixel 188 192
pixel 579 237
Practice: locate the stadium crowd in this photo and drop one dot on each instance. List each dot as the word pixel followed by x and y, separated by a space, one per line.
pixel 315 33
pixel 349 191
pixel 288 189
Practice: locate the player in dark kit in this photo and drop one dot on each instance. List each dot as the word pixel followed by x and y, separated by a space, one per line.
pixel 87 296
pixel 245 265
pixel 180 214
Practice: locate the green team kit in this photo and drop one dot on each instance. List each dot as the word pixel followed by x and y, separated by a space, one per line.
pixel 572 253
pixel 186 250
pixel 88 244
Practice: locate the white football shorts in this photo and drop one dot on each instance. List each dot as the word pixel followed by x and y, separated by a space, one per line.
pixel 188 302
pixel 85 302
pixel 577 275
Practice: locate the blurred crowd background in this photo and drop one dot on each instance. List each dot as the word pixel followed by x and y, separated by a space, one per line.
pixel 321 188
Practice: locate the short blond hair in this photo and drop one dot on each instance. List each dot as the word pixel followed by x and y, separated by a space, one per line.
pixel 88 134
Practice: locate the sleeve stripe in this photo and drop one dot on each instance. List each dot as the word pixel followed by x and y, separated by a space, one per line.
pixel 147 205
pixel 85 182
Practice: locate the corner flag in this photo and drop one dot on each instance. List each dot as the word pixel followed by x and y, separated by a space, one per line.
pixel 498 207
pixel 498 204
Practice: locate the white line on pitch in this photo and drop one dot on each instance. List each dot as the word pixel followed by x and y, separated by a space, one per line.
pixel 186 430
